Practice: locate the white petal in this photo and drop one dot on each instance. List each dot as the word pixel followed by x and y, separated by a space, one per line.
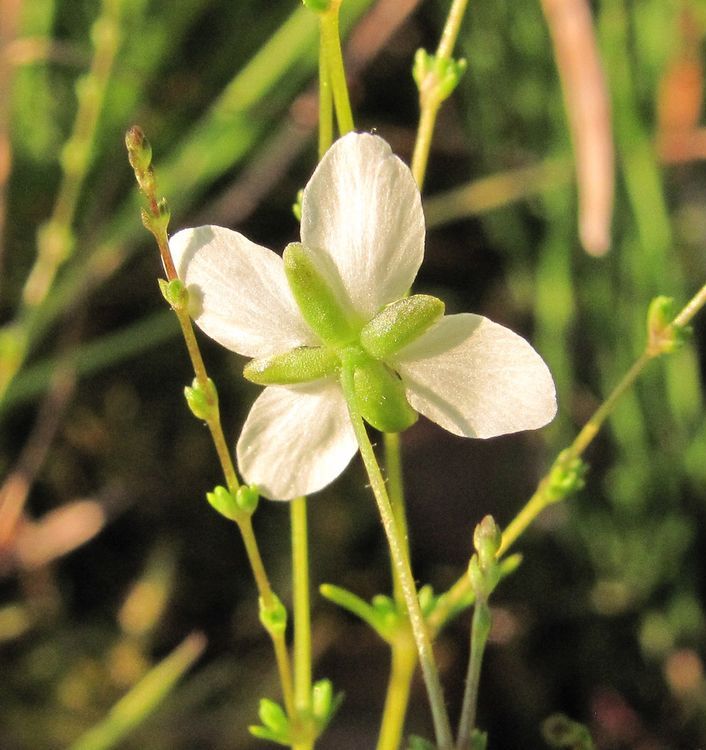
pixel 476 378
pixel 239 292
pixel 296 440
pixel 362 208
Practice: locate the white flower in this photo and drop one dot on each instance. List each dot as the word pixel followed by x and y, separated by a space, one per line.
pixel 363 226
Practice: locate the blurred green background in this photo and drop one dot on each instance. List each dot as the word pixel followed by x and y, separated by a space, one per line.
pixel 109 554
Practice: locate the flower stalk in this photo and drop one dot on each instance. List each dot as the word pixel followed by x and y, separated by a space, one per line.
pixel 400 561
pixel 565 476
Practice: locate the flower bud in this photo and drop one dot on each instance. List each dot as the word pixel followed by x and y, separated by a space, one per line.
pixel 273 618
pixel 663 337
pixel 139 150
pixel 399 324
pixel 202 399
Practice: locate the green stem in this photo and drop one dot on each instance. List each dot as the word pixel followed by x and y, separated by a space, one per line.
pixel 400 560
pixel 395 490
pixel 325 102
pixel 302 617
pixel 429 98
pixel 331 50
pixel 480 628
pixel 404 662
pixel 269 602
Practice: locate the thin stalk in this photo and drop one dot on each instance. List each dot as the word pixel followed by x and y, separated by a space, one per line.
pixel 158 227
pixel 302 615
pixel 325 103
pixel 404 662
pixel 400 560
pixel 480 629
pixel 395 491
pixel 429 98
pixel 542 496
pixel 268 599
pixel 331 50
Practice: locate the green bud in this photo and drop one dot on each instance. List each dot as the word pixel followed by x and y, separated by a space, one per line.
pixel 381 398
pixel 299 365
pixel 427 599
pixel 566 477
pixel 479 740
pixel 399 324
pixel 486 539
pixel 202 400
pixel 436 77
pixel 175 293
pixel 662 336
pixel 247 498
pixel 273 618
pixel 224 502
pixel 139 150
pixel 318 303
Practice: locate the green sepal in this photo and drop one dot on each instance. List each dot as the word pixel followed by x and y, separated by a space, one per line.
pixel 380 396
pixel 324 703
pixel 175 293
pixel 399 324
pixel 318 303
pixel 247 498
pixel 663 337
pixel 202 399
pixel 274 617
pixel 479 740
pixel 224 502
pixel 299 365
pixel 275 723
